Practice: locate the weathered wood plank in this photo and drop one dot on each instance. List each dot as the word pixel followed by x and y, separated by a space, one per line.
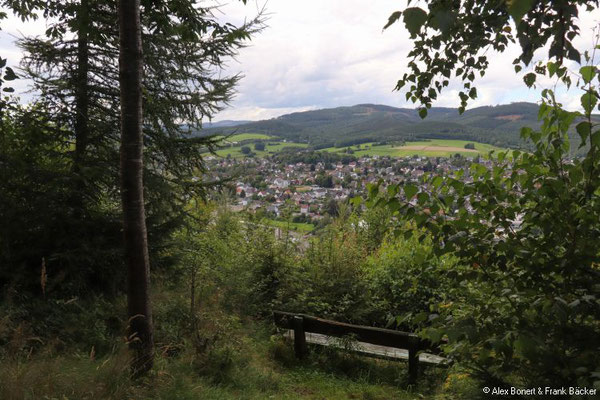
pixel 367 334
pixel 371 350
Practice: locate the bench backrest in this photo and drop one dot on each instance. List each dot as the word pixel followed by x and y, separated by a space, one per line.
pixel 367 334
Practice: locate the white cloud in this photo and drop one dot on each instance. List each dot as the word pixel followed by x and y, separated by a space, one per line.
pixel 317 54
pixel 334 53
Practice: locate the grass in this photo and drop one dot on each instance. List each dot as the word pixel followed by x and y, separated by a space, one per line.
pixel 303 189
pixel 247 136
pixel 270 147
pixel 429 148
pixel 261 367
pixel 444 145
pixel 294 226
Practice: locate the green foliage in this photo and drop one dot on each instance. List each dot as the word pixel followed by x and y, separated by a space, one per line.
pixel 60 205
pixel 408 280
pixel 324 180
pixel 43 223
pixel 245 150
pixel 367 123
pixel 522 306
pixel 442 46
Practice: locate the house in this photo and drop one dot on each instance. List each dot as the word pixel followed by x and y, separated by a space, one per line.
pixel 281 183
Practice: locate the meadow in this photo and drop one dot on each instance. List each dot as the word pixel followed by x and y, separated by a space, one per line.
pixel 294 226
pixel 272 145
pixel 429 148
pixel 424 148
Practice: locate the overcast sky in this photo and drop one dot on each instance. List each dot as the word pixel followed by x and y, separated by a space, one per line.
pixel 328 53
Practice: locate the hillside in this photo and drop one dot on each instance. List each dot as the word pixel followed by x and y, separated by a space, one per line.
pixel 343 126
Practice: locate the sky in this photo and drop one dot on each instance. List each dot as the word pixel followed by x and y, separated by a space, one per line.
pixel 317 54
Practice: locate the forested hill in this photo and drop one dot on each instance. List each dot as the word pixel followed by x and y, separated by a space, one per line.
pixel 342 126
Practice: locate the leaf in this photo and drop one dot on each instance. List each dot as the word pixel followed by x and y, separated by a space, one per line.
pixel 422 112
pixel 518 8
pixel 410 191
pixel 10 75
pixel 392 19
pixel 529 79
pixel 443 19
pixel 552 68
pixel 584 129
pixel 392 190
pixel 414 18
pixel 356 201
pixel 596 139
pixel 588 102
pixel 587 73
pixel 422 198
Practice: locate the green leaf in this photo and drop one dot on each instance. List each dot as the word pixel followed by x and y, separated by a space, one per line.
pixel 393 18
pixel 373 190
pixel 473 93
pixel 596 139
pixel 518 8
pixel 529 79
pixel 393 205
pixel 422 198
pixel 10 75
pixel 552 68
pixel 414 18
pixel 422 112
pixel 587 73
pixel 584 129
pixel 410 190
pixel 392 190
pixel 443 19
pixel 588 101
pixel 356 201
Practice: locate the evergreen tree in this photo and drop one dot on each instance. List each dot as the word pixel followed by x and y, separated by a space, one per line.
pixel 75 71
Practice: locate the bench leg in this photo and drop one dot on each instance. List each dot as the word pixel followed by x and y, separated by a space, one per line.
pixel 299 337
pixel 413 366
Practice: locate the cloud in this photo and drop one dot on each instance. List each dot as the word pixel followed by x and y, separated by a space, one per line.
pixel 327 54
pixel 318 54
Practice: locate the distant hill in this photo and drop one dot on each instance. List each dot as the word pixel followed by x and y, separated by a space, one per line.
pixel 344 126
pixel 223 124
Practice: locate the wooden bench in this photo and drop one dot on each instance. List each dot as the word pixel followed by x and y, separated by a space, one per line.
pixel 377 342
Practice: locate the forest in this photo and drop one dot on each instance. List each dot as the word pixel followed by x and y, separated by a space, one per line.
pixel 126 272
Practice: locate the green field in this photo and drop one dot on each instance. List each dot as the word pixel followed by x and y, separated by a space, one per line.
pixel 247 136
pixel 430 148
pixel 426 148
pixel 270 148
pixel 293 226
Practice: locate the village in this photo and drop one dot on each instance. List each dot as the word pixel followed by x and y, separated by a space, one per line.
pixel 308 192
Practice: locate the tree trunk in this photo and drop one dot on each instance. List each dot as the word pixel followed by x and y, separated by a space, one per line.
pixel 132 188
pixel 81 85
pixel 82 102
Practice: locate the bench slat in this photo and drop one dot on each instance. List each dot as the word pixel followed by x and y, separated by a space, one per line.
pixel 367 334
